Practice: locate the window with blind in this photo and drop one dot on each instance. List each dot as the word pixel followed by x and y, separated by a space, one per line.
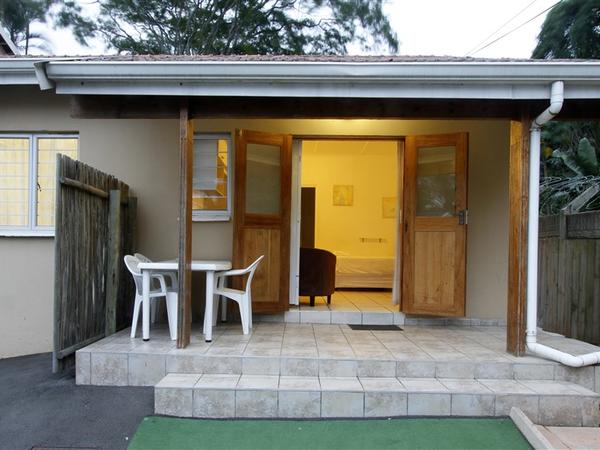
pixel 212 157
pixel 27 181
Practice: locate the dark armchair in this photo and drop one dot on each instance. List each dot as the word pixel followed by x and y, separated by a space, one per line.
pixel 317 273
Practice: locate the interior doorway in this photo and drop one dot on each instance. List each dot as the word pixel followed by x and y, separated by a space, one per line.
pixel 347 201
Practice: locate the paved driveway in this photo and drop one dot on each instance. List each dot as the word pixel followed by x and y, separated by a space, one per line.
pixel 38 408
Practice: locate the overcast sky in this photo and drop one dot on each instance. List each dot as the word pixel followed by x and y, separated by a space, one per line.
pixel 428 27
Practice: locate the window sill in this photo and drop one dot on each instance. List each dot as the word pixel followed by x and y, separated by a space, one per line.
pixel 211 218
pixel 27 233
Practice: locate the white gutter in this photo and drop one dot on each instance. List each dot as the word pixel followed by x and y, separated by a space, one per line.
pixel 556 102
pixel 448 80
pixel 17 71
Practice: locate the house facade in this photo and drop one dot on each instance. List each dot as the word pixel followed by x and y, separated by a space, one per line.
pixel 122 116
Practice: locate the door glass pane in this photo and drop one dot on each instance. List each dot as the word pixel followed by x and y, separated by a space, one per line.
pixel 263 179
pixel 14 182
pixel 436 193
pixel 47 148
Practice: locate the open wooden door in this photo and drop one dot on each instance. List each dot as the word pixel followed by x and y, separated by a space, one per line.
pixel 262 205
pixel 435 216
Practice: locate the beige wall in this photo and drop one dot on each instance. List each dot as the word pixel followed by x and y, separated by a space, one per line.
pixel 144 154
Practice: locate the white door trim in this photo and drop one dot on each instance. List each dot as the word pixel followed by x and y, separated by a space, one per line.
pixel 295 221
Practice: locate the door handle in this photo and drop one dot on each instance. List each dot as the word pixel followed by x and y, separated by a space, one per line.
pixel 463 217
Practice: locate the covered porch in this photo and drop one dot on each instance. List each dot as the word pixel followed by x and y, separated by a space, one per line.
pixel 513 93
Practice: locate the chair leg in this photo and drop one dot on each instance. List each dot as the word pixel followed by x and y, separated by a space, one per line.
pixel 215 310
pixel 249 303
pixel 223 309
pixel 153 311
pixel 172 314
pixel 329 299
pixel 136 313
pixel 312 300
pixel 244 317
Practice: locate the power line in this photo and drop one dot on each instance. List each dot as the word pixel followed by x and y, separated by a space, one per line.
pixel 516 28
pixel 500 28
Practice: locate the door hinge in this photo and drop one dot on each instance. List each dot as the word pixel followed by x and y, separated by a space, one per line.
pixel 463 216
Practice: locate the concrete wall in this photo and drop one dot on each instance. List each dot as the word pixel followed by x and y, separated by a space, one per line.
pixel 144 154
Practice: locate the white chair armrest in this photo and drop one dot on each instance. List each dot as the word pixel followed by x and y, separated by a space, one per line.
pixel 231 273
pixel 162 282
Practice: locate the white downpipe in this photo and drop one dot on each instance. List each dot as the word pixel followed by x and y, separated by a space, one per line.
pixel 556 102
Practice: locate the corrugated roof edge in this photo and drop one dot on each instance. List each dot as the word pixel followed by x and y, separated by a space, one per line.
pixel 295 58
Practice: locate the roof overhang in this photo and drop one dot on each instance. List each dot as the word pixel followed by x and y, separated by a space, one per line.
pixel 16 71
pixel 506 80
pixel 467 80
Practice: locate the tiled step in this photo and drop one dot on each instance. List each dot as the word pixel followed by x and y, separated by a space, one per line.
pixel 334 315
pixel 258 396
pixel 118 368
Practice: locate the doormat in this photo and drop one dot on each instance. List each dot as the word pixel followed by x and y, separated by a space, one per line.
pixel 65 448
pixel 375 327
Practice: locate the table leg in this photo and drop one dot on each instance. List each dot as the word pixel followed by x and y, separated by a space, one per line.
pixel 145 305
pixel 208 309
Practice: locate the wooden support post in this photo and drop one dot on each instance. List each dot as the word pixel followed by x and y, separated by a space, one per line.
pixel 518 192
pixel 186 157
pixel 113 263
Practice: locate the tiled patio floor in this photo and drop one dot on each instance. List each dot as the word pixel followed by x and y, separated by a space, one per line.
pixel 414 343
pixel 367 307
pixel 354 300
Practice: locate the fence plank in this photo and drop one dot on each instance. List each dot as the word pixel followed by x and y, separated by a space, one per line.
pixel 113 268
pixel 569 278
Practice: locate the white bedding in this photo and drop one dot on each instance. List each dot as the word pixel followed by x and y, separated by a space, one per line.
pixel 364 272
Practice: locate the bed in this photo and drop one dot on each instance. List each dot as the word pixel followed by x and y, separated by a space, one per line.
pixel 364 272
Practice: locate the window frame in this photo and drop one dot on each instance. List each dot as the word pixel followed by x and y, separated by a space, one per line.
pixel 201 215
pixel 31 229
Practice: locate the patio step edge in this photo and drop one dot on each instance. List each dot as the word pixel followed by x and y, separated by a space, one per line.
pixel 546 402
pixel 106 368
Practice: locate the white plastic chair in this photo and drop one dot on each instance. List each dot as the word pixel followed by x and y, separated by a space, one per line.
pixel 172 286
pixel 155 294
pixel 243 298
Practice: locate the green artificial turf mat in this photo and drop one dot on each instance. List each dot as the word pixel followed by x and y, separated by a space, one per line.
pixel 416 433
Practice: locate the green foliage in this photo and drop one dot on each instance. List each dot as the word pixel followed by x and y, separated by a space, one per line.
pixel 17 16
pixel 571 30
pixel 573 149
pixel 189 27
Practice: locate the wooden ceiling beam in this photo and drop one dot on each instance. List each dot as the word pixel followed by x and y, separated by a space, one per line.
pixel 149 107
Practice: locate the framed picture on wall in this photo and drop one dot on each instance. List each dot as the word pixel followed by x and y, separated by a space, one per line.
pixel 388 207
pixel 343 195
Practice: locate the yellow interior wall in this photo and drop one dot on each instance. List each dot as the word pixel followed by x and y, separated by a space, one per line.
pixel 370 167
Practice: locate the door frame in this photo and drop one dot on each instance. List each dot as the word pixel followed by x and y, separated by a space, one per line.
pixel 295 219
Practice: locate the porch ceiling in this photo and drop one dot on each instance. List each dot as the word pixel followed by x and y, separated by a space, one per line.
pixel 134 107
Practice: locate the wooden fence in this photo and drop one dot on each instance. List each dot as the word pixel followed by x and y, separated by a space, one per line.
pixel 569 275
pixel 95 227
